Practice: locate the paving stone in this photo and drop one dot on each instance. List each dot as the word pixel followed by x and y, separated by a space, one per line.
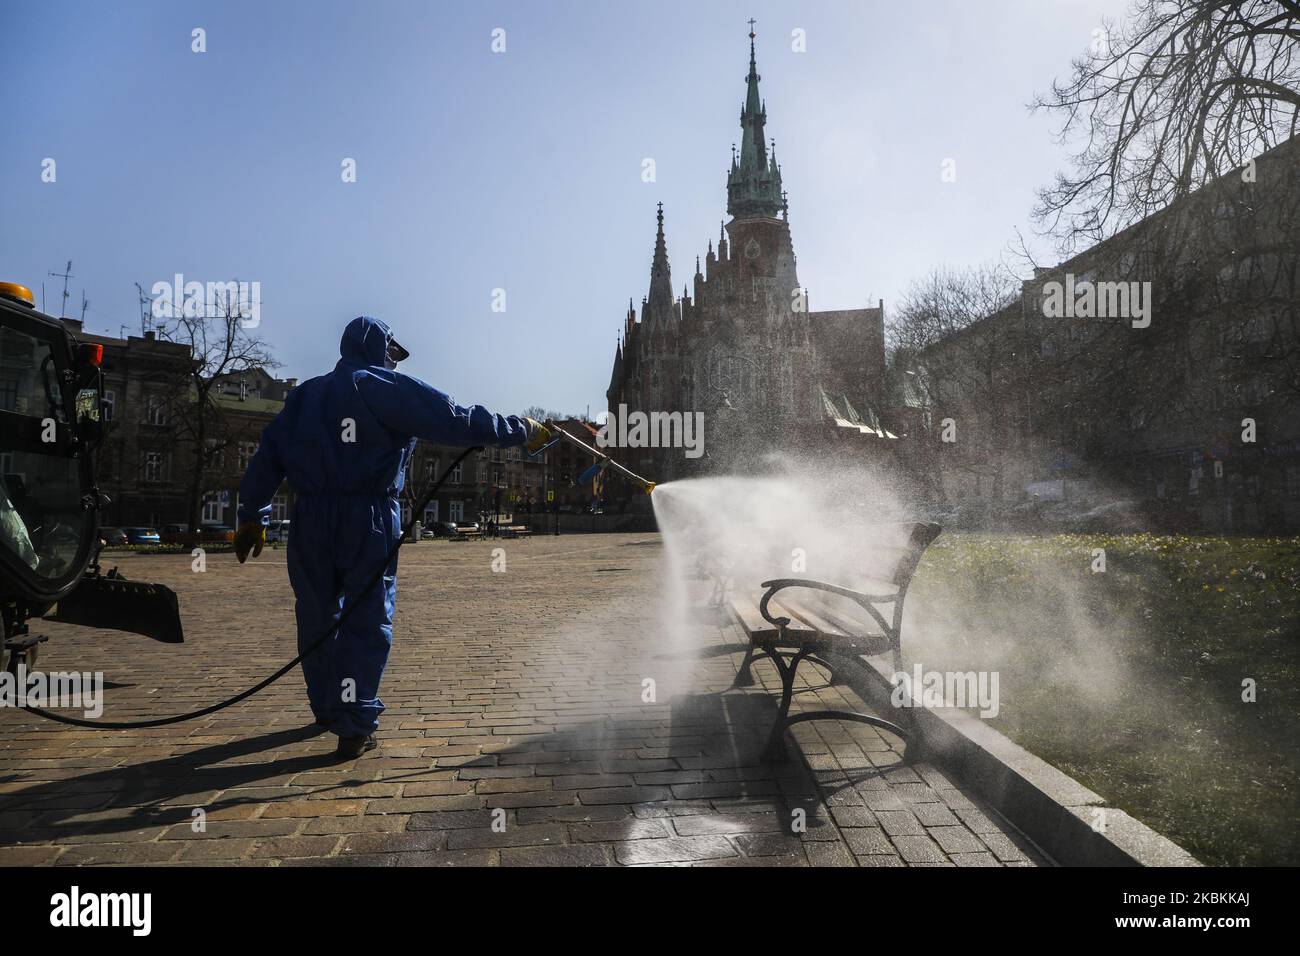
pixel 573 813
pixel 918 849
pixel 626 795
pixel 281 848
pixel 537 834
pixel 863 840
pixel 899 822
pixel 769 844
pixel 314 808
pixel 582 855
pixel 934 815
pixel 975 859
pixel 828 854
pixel 955 839
pixel 854 817
pixel 742 823
pixel 39 855
pixel 976 821
pixel 883 800
pixel 102 854
pixel 674 850
pixel 1003 847
pixel 614 831
pixel 213 851
pixel 404 842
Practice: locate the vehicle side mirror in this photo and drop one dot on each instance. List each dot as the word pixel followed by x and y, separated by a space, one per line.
pixel 90 418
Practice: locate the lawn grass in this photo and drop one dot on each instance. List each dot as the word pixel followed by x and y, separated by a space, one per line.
pixel 1131 680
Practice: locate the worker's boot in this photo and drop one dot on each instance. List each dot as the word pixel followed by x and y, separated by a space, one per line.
pixel 352 747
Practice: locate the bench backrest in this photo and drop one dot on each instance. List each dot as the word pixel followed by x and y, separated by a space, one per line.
pixel 903 553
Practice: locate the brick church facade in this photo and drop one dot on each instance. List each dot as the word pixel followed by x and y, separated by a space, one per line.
pixel 740 345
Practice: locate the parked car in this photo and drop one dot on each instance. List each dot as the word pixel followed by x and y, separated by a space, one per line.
pixel 278 531
pixel 112 537
pixel 216 532
pixel 142 536
pixel 175 534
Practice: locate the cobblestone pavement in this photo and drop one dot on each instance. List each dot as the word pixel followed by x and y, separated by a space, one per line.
pixel 516 734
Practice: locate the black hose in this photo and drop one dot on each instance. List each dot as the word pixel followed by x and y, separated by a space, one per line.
pixel 244 695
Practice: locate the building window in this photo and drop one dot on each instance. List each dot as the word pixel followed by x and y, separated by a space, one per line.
pixel 247 449
pixel 212 508
pixel 279 508
pixel 455 475
pixel 155 410
pixel 456 510
pixel 110 405
pixel 431 513
pixel 155 466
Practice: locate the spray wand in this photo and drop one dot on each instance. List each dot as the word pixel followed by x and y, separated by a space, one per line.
pixel 603 461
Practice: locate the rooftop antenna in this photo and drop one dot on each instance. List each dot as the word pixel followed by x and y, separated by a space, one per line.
pixel 85 304
pixel 145 303
pixel 65 275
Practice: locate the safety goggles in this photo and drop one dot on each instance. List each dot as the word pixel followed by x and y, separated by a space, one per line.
pixel 396 353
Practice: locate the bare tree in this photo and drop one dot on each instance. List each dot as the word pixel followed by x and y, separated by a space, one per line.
pixel 957 334
pixel 221 345
pixel 1182 93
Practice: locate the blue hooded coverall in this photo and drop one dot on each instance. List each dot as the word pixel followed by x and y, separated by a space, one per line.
pixel 346 517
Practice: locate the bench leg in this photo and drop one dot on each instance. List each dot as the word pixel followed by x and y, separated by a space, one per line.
pixel 774 752
pixel 744 678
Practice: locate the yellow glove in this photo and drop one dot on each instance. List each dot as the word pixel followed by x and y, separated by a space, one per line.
pixel 538 435
pixel 250 536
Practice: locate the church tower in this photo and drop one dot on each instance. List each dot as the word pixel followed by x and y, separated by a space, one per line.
pixel 749 347
pixel 739 344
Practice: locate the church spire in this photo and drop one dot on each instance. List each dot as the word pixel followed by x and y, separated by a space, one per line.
pixel 754 183
pixel 661 283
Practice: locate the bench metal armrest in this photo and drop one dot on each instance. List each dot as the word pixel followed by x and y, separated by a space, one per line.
pixel 865 601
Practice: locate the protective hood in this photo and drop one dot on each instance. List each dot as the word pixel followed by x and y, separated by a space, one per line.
pixel 365 342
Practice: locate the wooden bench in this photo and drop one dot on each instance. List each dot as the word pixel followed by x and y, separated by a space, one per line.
pixel 808 626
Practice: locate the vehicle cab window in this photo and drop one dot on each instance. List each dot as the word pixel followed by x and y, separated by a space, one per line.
pixel 43 525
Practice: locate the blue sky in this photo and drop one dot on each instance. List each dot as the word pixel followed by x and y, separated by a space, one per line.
pixel 518 170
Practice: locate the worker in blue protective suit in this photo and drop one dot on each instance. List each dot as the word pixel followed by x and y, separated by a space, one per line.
pixel 343 441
